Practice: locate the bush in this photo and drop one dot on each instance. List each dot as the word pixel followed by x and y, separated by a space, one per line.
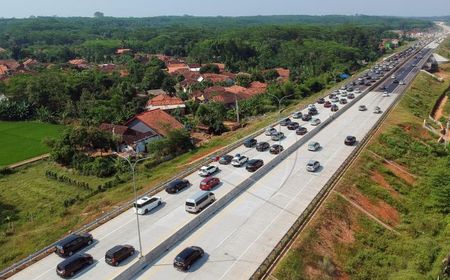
pixel 210 68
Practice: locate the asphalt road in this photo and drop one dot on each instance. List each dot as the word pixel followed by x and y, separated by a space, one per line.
pixel 261 210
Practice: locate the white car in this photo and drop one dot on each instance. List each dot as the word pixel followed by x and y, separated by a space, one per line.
pixel 312 166
pixel 270 131
pixel 344 94
pixel 402 82
pixel 239 160
pixel 385 94
pixel 146 204
pixel 393 77
pixel 315 122
pixel 311 106
pixel 377 110
pixel 334 99
pixel 357 90
pixel 362 108
pixel 313 146
pixel 208 170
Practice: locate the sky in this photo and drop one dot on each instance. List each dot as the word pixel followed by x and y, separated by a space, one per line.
pixel 148 8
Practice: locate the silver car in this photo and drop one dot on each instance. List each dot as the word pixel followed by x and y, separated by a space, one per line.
pixel 312 166
pixel 315 122
pixel 313 146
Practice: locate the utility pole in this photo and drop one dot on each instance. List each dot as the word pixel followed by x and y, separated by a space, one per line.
pixel 237 109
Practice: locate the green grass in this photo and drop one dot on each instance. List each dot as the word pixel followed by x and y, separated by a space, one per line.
pixel 23 140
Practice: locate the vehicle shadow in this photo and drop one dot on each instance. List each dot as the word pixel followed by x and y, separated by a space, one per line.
pixel 198 264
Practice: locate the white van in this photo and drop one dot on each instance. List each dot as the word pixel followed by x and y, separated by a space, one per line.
pixel 146 204
pixel 199 201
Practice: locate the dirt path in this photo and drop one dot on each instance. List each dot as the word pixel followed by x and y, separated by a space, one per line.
pixel 28 161
pixel 440 110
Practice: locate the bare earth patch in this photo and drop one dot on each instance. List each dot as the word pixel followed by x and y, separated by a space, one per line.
pixel 402 173
pixel 378 178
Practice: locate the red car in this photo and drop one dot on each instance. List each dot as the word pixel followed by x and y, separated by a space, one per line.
pixel 327 104
pixel 209 183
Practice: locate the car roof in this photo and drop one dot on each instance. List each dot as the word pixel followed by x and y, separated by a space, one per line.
pixel 252 161
pixel 70 260
pixel 185 253
pixel 68 239
pixel 208 179
pixel 143 199
pixel 114 249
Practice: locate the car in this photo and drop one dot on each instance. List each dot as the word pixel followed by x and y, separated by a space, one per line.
pixel 357 90
pixel 239 160
pixel 313 146
pixel 301 130
pixel 70 266
pixel 321 101
pixel 118 253
pixel 225 159
pixel 361 83
pixel 393 77
pixel 414 65
pixel 297 115
pixel 343 101
pixel 186 258
pixel 312 166
pixel 208 170
pixel 350 89
pixel 285 122
pixel 377 110
pixel 145 204
pixel 334 108
pixel 262 146
pixel 334 99
pixel 209 183
pixel 368 83
pixel 327 104
pixel 313 111
pixel 293 126
pixel 386 94
pixel 344 94
pixel 72 244
pixel 315 122
pixel 269 131
pixel 311 106
pixel 278 136
pixel 254 164
pixel 396 81
pixel 350 96
pixel 362 108
pixel 402 82
pixel 276 149
pixel 350 140
pixel 177 185
pixel 250 143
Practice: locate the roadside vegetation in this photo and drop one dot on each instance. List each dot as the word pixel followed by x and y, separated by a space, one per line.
pixel 23 140
pixel 402 179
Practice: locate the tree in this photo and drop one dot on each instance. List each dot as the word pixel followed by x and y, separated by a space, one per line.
pixel 212 114
pixel 210 68
pixel 243 80
pixel 99 14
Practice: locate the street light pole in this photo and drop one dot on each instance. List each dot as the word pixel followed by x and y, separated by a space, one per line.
pixel 133 168
pixel 279 110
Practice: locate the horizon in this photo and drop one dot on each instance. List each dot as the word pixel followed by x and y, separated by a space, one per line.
pixel 232 8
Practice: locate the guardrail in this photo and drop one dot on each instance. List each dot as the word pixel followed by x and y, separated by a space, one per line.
pixel 274 255
pixel 35 257
pixel 206 214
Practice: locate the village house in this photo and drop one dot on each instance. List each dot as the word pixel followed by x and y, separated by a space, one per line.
pixel 194 67
pixel 79 63
pixel 166 103
pixel 8 67
pixel 123 51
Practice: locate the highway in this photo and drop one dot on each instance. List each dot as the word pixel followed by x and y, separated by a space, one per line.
pixel 229 238
pixel 240 237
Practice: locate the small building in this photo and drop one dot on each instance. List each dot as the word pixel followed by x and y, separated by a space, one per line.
pixel 165 102
pixel 194 67
pixel 123 51
pixel 128 139
pixel 79 63
pixel 107 67
pixel 155 121
pixel 29 63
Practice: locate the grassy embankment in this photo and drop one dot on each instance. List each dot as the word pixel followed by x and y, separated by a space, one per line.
pixel 400 179
pixel 32 228
pixel 23 140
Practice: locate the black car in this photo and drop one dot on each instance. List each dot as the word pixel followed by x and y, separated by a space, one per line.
pixel 334 108
pixel 285 122
pixel 225 159
pixel 276 149
pixel 250 143
pixel 254 164
pixel 262 146
pixel 321 101
pixel 306 117
pixel 301 130
pixel 118 253
pixel 177 185
pixel 293 126
pixel 184 260
pixel 350 140
pixel 312 111
pixel 72 265
pixel 73 243
pixel 395 81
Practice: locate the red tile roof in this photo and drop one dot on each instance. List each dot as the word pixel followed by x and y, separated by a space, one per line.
pixel 127 135
pixel 216 78
pixel 159 121
pixel 11 64
pixel 123 51
pixel 3 70
pixel 284 73
pixel 176 67
pixel 165 100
